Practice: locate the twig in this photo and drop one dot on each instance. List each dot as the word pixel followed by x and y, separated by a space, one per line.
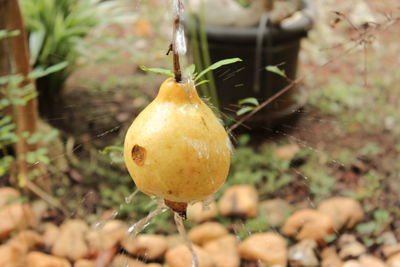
pixel 175 28
pixel 45 196
pixel 264 104
pixel 285 89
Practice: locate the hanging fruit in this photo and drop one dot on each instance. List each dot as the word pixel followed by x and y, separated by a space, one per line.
pixel 177 149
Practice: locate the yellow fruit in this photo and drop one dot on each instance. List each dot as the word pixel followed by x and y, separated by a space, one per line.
pixel 176 149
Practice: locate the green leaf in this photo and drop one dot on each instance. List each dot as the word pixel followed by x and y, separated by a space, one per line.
pixel 276 70
pixel 381 216
pixel 108 149
pixel 5 34
pixel 218 64
pixel 40 72
pixel 36 41
pixel 244 110
pixel 158 70
pixel 366 228
pixel 202 82
pixel 250 100
pixel 189 71
pixel 49 136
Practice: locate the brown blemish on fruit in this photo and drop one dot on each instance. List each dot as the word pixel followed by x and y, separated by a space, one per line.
pixel 138 155
pixel 178 207
pixel 204 122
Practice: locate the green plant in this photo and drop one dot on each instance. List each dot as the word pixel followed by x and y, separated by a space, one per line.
pixel 260 168
pixel 12 96
pixel 191 73
pixel 15 96
pixel 56 34
pixel 243 3
pixel 253 225
pixel 371 231
pixel 337 97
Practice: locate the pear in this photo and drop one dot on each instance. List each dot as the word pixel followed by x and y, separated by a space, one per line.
pixel 176 149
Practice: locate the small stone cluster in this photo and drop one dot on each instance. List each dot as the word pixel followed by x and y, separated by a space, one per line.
pixel 74 243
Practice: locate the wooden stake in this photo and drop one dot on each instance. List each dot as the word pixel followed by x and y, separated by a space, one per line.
pixel 26 116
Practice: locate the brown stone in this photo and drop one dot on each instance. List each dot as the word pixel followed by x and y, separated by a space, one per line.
pixel 125 261
pixel 390 250
pixel 84 263
pixel 352 263
pixel 71 243
pixel 303 254
pixel 394 260
pixel 371 261
pixel 346 239
pixel 352 250
pixel 269 248
pixel 239 201
pixel 26 240
pixel 276 211
pixel 345 212
pixel 224 251
pixel 206 232
pixel 14 217
pixel 308 224
pixel 7 194
pixel 330 258
pixel 181 256
pixel 11 257
pixel 150 247
pixel 38 259
pixel 198 212
pixel 39 207
pixel 51 233
pixel 107 236
pixel 174 241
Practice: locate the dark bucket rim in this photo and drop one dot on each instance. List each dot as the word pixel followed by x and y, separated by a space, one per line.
pixel 297 28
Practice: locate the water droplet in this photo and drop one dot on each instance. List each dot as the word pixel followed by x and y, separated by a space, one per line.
pixel 180 41
pixel 182 232
pixel 129 198
pixel 207 202
pixel 143 223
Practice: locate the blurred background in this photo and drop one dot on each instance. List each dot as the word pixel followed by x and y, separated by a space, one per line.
pixel 312 110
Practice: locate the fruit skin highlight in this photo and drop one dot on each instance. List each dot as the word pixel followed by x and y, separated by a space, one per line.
pixel 176 149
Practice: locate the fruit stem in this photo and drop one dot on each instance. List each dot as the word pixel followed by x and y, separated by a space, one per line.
pixel 178 45
pixel 177 65
pixel 178 207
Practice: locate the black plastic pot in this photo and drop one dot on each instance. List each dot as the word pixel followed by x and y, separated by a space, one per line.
pixel 280 46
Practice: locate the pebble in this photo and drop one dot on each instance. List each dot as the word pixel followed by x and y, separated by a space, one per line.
pixel 206 232
pixel 199 213
pixel 303 254
pixel 239 201
pixel 16 216
pixel 224 251
pixel 276 211
pixel 149 247
pixel 269 248
pixel 107 235
pixel 10 256
pixel 345 212
pixel 84 263
pixel 330 258
pixel 394 260
pixel 39 259
pixel 125 261
pixel 181 256
pixel 308 224
pixel 71 242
